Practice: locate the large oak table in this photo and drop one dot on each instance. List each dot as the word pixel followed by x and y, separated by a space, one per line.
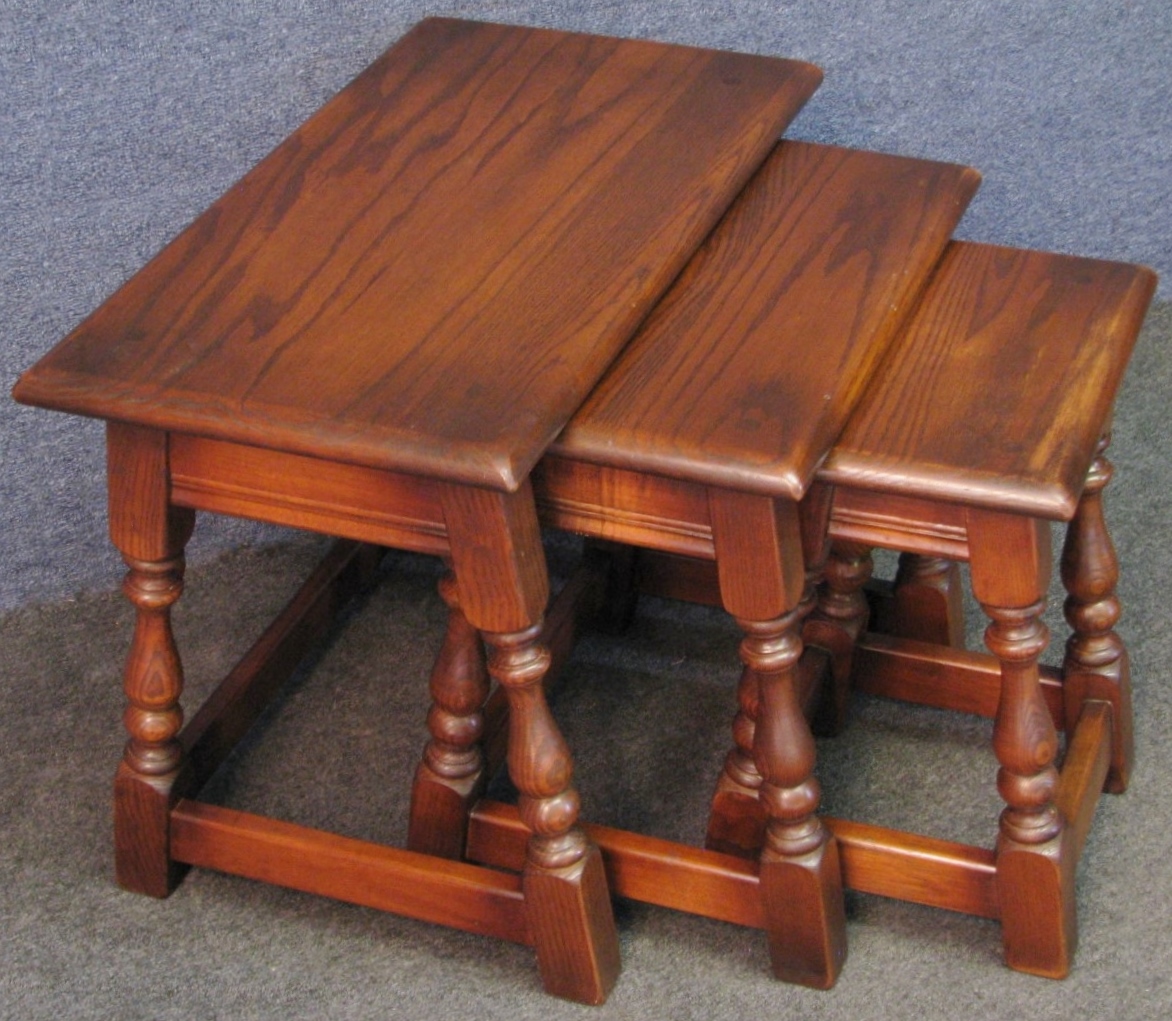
pixel 398 309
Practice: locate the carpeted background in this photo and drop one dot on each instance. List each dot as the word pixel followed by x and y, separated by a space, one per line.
pixel 118 123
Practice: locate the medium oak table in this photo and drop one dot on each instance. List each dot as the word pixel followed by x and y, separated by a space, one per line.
pixel 397 310
pixel 703 439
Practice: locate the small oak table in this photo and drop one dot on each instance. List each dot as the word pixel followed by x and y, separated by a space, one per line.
pixel 986 421
pixel 375 334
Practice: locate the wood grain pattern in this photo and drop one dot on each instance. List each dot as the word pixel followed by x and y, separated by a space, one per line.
pixel 497 555
pixel 1084 772
pixel 745 373
pixel 344 500
pixel 648 511
pixel 450 776
pixel 998 391
pixel 927 602
pixel 642 868
pixel 430 273
pixel 570 914
pixel 759 561
pixel 874 859
pixel 419 886
pixel 143 523
pixel 151 535
pixel 920 869
pixel 960 680
pixel 891 520
pixel 1035 886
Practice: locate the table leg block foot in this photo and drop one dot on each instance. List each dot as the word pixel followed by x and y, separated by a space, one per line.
pixel 736 823
pixel 805 916
pixel 572 921
pixel 439 813
pixel 142 853
pixel 1039 925
pixel 1112 685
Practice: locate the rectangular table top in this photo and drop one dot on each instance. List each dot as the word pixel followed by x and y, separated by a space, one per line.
pixel 998 391
pixel 746 372
pixel 432 272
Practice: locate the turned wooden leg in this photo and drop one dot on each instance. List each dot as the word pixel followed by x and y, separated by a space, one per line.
pixel 564 883
pixel 736 819
pixel 1096 666
pixel 927 601
pixel 151 536
pixel 736 822
pixel 838 620
pixel 450 777
pixel 503 589
pixel 761 552
pixel 1035 860
pixel 801 878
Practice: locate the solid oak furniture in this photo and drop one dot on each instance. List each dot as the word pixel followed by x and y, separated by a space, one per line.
pixel 375 334
pixel 703 439
pixel 937 463
pixel 986 422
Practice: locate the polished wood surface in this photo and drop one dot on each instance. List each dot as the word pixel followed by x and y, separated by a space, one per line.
pixel 963 410
pixel 375 334
pixel 450 776
pixel 685 408
pixel 984 422
pixel 151 535
pixel 745 373
pixel 1096 665
pixel 419 886
pixel 708 429
pixel 927 600
pixel 345 500
pixel 875 859
pixel 381 328
pixel 1010 566
pixel 429 275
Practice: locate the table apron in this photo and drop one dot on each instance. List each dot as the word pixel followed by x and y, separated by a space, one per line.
pixel 345 500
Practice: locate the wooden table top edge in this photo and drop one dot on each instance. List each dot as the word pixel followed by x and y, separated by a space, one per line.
pixel 484 468
pixel 476 460
pixel 947 484
pixel 1051 491
pixel 593 442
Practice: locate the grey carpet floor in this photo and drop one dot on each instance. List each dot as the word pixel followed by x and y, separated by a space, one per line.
pixel 647 716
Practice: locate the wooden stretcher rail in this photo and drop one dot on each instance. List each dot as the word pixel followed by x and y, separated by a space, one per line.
pixel 875 859
pixel 242 695
pixel 479 899
pixel 449 893
pixel 1084 771
pixel 933 675
pixel 641 868
pixel 923 870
